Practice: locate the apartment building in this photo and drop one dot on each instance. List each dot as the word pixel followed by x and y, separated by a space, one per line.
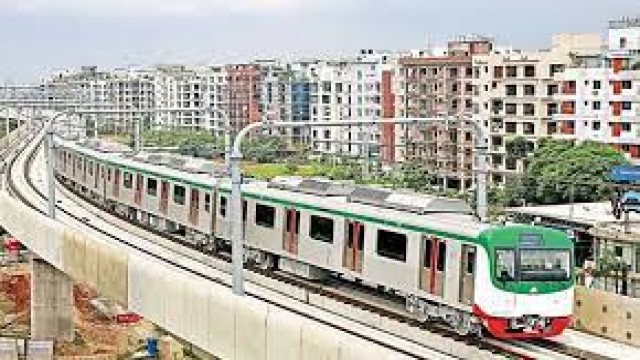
pixel 514 96
pixel 600 95
pixel 121 89
pixel 243 94
pixel 430 85
pixel 348 89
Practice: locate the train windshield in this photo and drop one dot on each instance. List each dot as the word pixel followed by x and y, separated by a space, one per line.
pixel 545 265
pixel 533 265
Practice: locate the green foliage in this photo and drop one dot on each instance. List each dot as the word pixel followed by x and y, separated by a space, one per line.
pixel 264 149
pixel 608 263
pixel 518 148
pixel 561 171
pixel 415 175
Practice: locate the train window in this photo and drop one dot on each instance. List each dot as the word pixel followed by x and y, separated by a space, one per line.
pixel 544 265
pixel 207 202
pixel 442 256
pixel 152 187
pixel 265 216
pixel 428 249
pixel 128 180
pixel 505 265
pixel 223 206
pixel 321 228
pixel 471 261
pixel 392 245
pixel 178 194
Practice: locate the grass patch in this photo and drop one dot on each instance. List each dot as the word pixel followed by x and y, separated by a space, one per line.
pixel 269 171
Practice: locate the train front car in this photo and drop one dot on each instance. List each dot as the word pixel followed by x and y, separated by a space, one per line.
pixel 525 284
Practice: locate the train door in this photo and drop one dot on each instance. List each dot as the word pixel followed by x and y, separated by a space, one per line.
pixel 139 185
pixel 164 197
pixel 291 231
pixel 96 175
pixel 84 171
pixel 432 271
pixel 116 183
pixel 354 246
pixel 104 181
pixel 194 206
pixel 467 274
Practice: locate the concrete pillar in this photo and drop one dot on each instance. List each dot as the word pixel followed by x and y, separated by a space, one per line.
pixel 51 303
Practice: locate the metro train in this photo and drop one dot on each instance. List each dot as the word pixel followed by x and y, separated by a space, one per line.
pixel 510 281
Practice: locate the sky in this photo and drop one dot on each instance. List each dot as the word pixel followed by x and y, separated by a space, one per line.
pixel 38 37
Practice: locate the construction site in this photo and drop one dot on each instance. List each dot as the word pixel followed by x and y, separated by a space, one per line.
pixel 103 330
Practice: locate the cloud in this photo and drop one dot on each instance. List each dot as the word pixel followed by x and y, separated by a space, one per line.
pixel 155 7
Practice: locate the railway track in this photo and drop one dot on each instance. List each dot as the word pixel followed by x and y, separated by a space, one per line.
pixel 341 291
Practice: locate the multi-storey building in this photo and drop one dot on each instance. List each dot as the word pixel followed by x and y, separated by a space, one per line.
pixel 349 89
pixel 121 89
pixel 600 95
pixel 439 86
pixel 243 94
pixel 514 96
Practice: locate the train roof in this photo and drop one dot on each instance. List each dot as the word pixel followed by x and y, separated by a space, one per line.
pixel 142 163
pixel 440 216
pixel 463 226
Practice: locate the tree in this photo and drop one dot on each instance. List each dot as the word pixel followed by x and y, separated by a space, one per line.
pixel 415 175
pixel 518 148
pixel 264 149
pixel 562 171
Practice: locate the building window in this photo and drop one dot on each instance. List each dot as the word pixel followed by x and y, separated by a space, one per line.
pixel 626 126
pixel 626 105
pixel 511 109
pixel 595 126
pixel 529 109
pixel 623 42
pixel 626 84
pixel 530 90
pixel 510 128
pixel 597 85
pixel 265 216
pixel 498 72
pixel 511 90
pixel 392 245
pixel 321 229
pixel 529 71
pixel 223 206
pixel 512 71
pixel 152 186
pixel 596 105
pixel 207 202
pixel 178 194
pixel 128 180
pixel 529 128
